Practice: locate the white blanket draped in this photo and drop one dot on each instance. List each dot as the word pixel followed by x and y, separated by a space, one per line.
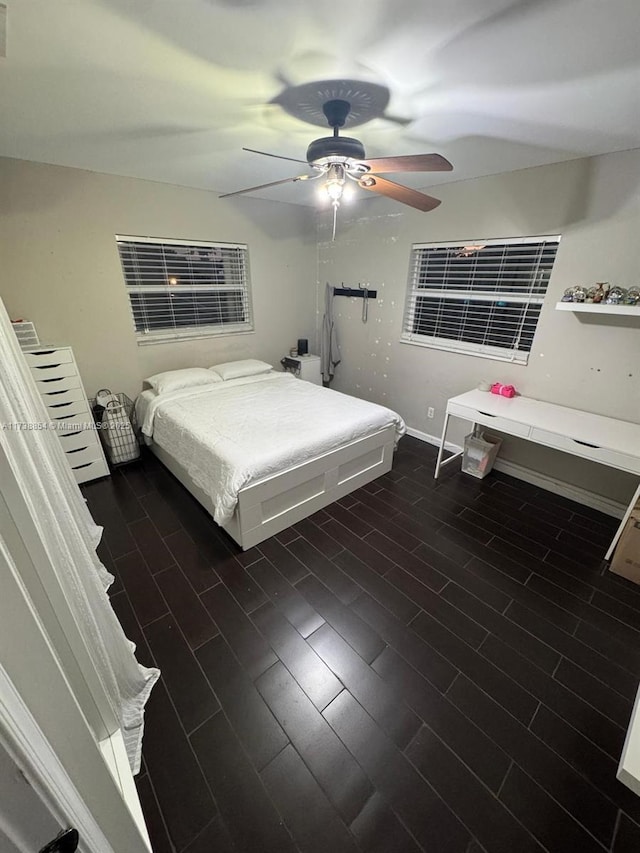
pixel 233 433
pixel 70 537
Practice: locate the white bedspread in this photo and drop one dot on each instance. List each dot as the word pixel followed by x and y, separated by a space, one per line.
pixel 233 433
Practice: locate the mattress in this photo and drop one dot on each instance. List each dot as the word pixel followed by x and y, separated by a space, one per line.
pixel 231 434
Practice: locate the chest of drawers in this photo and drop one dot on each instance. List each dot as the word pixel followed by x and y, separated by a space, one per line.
pixel 58 382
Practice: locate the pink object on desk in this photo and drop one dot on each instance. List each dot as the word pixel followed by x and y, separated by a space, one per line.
pixel 503 390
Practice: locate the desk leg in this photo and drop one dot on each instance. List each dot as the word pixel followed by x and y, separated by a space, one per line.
pixel 441 450
pixel 439 461
pixel 634 500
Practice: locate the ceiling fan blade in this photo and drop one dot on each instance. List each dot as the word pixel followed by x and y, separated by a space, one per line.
pixel 272 184
pixel 409 163
pixel 396 191
pixel 278 156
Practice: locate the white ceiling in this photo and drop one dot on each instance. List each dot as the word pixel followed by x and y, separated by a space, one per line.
pixel 170 90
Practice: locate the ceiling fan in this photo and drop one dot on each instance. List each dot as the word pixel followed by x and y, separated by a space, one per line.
pixel 341 158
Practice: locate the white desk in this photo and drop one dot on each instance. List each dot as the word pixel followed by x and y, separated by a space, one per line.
pixel 601 439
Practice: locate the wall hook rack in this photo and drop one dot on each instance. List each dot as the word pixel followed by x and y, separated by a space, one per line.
pixel 355 291
pixel 362 292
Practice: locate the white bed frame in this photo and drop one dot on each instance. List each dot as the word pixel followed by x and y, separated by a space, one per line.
pixel 276 502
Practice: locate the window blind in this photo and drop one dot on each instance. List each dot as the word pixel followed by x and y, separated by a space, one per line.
pixel 483 298
pixel 184 289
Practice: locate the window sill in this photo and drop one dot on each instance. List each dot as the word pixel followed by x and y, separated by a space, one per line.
pixel 153 340
pixel 520 359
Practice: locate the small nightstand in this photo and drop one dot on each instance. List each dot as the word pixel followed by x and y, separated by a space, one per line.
pixel 305 367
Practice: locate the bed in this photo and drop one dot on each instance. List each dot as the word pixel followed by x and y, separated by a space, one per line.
pixel 263 451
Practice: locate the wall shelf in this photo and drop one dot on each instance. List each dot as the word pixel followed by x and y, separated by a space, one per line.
pixel 599 308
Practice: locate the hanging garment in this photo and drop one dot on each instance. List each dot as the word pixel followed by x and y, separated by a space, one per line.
pixel 70 537
pixel 329 346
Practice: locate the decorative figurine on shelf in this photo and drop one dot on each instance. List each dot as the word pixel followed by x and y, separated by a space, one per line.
pixel 579 294
pixel 633 296
pixel 503 390
pixel 568 295
pixel 601 289
pixel 616 296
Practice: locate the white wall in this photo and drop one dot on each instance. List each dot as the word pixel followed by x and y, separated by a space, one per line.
pixel 60 268
pixel 595 205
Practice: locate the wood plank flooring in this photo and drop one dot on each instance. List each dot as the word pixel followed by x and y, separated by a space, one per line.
pixel 421 666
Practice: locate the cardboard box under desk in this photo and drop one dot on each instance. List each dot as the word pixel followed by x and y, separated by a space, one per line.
pixel 626 557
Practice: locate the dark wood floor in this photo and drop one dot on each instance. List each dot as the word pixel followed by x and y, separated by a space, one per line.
pixel 419 667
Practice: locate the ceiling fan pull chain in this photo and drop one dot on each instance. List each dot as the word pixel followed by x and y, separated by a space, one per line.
pixel 335 219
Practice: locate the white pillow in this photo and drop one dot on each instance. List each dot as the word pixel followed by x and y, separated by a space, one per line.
pixel 236 369
pixel 188 377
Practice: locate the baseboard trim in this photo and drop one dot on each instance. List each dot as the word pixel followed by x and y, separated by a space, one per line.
pixel 567 490
pixel 520 472
pixel 433 439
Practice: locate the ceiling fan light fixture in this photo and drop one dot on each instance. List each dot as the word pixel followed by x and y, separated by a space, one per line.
pixel 348 193
pixel 334 190
pixel 334 185
pixel 336 158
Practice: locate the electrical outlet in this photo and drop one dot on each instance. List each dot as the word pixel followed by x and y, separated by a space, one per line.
pixel 430 412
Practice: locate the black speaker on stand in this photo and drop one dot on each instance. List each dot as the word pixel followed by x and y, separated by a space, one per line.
pixel 303 346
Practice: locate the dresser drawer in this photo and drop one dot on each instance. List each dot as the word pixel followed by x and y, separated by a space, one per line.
pixel 72 411
pixel 77 439
pixel 587 450
pixel 80 456
pixel 497 422
pixel 53 371
pixel 72 423
pixel 64 401
pixel 90 471
pixel 47 357
pixel 48 388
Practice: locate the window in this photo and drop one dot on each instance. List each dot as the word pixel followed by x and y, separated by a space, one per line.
pixel 482 298
pixel 186 289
